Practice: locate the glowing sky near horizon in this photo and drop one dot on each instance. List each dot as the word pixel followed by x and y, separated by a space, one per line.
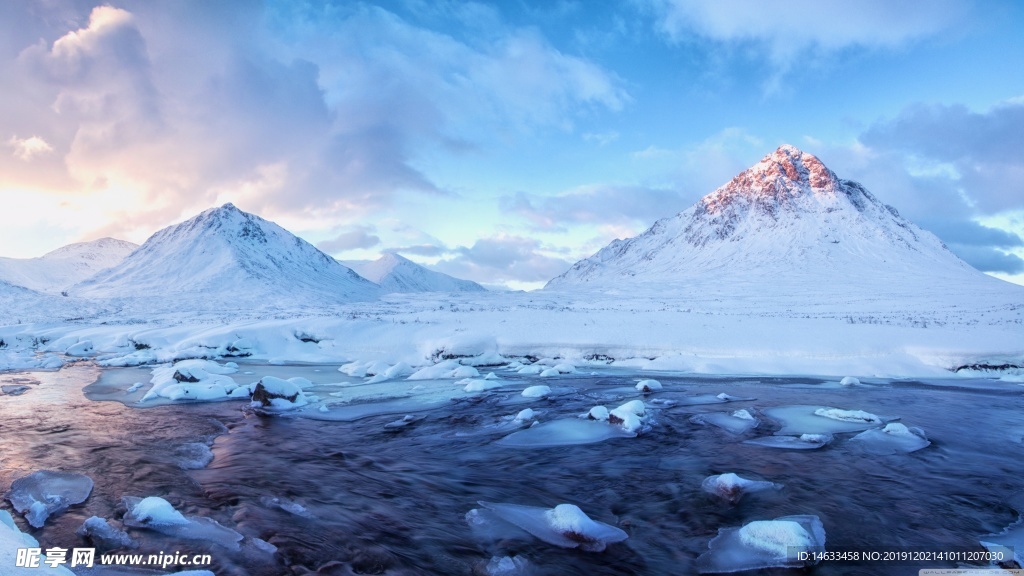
pixel 499 141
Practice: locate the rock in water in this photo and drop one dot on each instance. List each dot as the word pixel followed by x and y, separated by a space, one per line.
pixel 44 493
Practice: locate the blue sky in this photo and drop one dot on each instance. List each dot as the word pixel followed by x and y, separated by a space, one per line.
pixel 499 141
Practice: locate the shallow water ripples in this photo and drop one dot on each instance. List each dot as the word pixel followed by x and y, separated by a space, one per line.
pixel 393 501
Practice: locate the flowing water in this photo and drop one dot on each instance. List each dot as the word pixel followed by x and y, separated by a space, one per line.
pixel 376 500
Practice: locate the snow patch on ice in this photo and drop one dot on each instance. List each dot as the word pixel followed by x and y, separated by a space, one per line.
pixel 44 493
pixel 564 525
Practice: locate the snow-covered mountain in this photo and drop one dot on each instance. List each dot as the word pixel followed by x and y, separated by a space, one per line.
pixel 788 221
pixel 394 273
pixel 65 266
pixel 224 255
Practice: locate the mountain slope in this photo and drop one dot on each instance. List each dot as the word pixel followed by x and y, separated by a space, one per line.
pixel 65 266
pixel 788 218
pixel 226 256
pixel 394 273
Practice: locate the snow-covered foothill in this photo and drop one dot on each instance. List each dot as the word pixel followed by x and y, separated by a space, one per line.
pixel 762 544
pixel 648 385
pixel 278 394
pixel 159 515
pixel 397 274
pixel 849 381
pixel 11 540
pixel 44 493
pixel 564 525
pixel 731 488
pixel 192 380
pixel 893 438
pixel 104 535
pixel 801 442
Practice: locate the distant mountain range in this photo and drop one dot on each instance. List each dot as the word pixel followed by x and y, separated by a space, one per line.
pixel 56 271
pixel 395 273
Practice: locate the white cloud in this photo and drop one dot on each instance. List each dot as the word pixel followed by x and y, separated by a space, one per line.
pixel 26 148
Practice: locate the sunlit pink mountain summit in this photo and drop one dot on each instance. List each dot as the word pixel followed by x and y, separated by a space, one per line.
pixel 787 218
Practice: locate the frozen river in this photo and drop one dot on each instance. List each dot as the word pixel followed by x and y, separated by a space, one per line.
pixel 381 499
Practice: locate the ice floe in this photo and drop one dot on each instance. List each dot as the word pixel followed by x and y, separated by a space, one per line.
pixel 44 493
pixel 801 442
pixel 105 536
pixel 731 487
pixel 849 381
pixel 525 415
pixel 480 385
pixel 738 422
pixel 11 540
pixel 193 456
pixel 892 439
pixel 1011 537
pixel 565 432
pixel 157 514
pixel 564 525
pixel 762 544
pixel 506 566
pixel 803 419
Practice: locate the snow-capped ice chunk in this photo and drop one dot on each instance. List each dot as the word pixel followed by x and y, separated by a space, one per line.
pixel 192 380
pixel 636 407
pixel 598 413
pixel 104 535
pixel 477 385
pixel 506 566
pixel 731 487
pixel 894 438
pixel 564 368
pixel 564 432
pixel 157 514
pixel 858 416
pixel 549 372
pixel 530 369
pixel 648 385
pixel 802 442
pixel 443 369
pixel 738 422
pixel 536 391
pixel 272 393
pixel 564 525
pixel 465 372
pixel 762 544
pixel 628 416
pixel 153 511
pixel 525 415
pixel 83 348
pixel 44 493
pixel 849 381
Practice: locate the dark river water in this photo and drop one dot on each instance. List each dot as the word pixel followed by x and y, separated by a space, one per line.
pixel 378 500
